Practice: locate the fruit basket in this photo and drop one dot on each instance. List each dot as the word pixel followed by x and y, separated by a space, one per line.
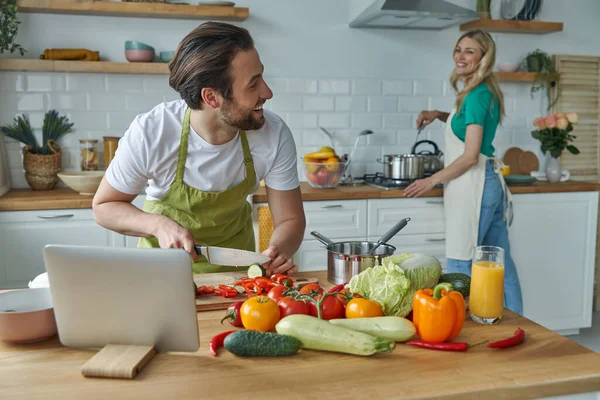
pixel 324 174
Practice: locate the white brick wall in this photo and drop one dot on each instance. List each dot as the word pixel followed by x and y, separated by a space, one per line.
pixel 104 105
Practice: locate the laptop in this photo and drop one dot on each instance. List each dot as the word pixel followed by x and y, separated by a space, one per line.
pixel 130 296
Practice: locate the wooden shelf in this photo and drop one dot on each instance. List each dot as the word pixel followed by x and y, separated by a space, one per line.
pixel 508 26
pixel 516 76
pixel 133 9
pixel 107 67
pixel 103 67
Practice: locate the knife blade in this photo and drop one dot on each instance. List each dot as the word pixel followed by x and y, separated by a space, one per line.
pixel 230 257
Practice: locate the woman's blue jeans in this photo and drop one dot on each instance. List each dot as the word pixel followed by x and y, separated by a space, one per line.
pixel 493 231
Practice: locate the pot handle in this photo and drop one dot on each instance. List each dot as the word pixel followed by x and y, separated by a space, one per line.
pixel 321 238
pixel 380 161
pixel 436 149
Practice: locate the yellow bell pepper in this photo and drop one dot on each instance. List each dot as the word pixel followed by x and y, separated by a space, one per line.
pixel 438 314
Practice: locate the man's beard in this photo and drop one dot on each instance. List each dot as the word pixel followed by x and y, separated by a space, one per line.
pixel 240 118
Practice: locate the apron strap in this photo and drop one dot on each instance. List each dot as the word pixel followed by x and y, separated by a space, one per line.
pixel 248 161
pixel 507 201
pixel 183 146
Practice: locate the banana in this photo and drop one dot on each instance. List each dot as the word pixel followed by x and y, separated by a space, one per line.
pixel 320 155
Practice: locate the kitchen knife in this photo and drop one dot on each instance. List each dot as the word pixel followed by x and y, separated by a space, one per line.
pixel 230 257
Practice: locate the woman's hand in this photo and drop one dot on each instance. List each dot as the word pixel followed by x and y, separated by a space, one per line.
pixel 280 263
pixel 419 187
pixel 426 117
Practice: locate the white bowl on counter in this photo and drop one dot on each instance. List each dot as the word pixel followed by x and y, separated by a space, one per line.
pixel 27 315
pixel 84 182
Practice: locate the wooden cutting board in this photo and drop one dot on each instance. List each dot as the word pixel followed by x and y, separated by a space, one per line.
pixel 212 302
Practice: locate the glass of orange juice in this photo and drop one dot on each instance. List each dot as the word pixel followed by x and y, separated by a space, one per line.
pixel 486 298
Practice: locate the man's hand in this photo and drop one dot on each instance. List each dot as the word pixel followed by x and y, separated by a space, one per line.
pixel 280 263
pixel 171 235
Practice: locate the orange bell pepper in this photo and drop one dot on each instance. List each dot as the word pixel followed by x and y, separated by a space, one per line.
pixel 438 314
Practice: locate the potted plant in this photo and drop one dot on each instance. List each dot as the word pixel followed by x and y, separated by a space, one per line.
pixel 9 26
pixel 554 133
pixel 546 77
pixel 41 163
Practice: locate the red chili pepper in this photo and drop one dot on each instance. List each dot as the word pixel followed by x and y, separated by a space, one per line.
pixel 234 315
pixel 448 346
pixel 337 288
pixel 516 339
pixel 217 341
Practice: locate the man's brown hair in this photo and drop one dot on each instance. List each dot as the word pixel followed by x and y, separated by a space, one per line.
pixel 203 60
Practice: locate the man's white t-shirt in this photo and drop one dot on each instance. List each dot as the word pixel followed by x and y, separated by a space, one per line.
pixel 148 153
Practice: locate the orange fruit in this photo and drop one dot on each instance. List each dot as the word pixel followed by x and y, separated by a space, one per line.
pixel 332 164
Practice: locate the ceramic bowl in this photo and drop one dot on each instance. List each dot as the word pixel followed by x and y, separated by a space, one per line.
pixel 133 45
pixel 509 66
pixel 27 315
pixel 139 55
pixel 84 182
pixel 166 56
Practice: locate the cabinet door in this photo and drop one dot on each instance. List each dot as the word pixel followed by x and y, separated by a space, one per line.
pixel 336 219
pixel 426 214
pixel 433 245
pixel 24 234
pixel 553 241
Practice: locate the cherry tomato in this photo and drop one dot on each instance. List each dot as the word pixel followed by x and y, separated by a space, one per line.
pixel 311 288
pixel 331 308
pixel 259 313
pixel 363 308
pixel 289 306
pixel 276 293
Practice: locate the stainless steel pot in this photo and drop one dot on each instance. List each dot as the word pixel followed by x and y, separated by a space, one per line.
pixel 346 259
pixel 432 160
pixel 403 166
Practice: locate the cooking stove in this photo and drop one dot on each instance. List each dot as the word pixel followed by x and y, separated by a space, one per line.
pixel 379 181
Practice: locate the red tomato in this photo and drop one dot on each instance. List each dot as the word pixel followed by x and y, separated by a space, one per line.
pixel 289 306
pixel 311 288
pixel 331 308
pixel 276 293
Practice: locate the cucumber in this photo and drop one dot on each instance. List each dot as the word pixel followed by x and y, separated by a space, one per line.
pixel 461 282
pixel 256 270
pixel 397 329
pixel 318 334
pixel 247 343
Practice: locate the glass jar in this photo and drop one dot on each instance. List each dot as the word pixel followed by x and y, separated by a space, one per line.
pixel 89 154
pixel 110 148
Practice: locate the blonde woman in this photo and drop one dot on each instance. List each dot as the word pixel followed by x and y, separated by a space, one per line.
pixel 476 199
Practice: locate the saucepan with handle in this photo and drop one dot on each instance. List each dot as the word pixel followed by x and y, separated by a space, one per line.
pixel 346 259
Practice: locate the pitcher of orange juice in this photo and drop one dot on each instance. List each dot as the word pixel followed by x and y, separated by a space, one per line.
pixel 486 297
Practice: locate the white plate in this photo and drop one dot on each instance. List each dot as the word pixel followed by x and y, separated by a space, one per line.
pixel 216 3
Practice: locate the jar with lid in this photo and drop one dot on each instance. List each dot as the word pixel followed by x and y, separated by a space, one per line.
pixel 89 154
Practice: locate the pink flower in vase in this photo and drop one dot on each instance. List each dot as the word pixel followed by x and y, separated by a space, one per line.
pixel 562 123
pixel 551 121
pixel 539 123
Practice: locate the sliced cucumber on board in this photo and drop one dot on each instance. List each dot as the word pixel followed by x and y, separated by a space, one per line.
pixel 256 270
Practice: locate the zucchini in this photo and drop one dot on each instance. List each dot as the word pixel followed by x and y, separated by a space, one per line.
pixel 318 334
pixel 398 329
pixel 460 282
pixel 247 343
pixel 256 270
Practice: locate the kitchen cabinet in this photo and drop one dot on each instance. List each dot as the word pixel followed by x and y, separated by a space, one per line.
pixel 553 244
pixel 23 235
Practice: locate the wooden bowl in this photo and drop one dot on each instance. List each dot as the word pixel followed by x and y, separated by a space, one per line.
pixel 84 182
pixel 27 315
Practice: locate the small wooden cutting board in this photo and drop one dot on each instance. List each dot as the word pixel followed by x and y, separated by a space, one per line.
pixel 211 302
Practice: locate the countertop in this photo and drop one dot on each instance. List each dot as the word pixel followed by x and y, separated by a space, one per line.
pixel 64 198
pixel 545 365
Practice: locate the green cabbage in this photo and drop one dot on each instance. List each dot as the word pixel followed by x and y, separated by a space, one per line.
pixel 394 283
pixel 386 285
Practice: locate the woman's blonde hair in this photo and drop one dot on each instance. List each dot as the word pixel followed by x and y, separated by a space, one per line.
pixel 483 73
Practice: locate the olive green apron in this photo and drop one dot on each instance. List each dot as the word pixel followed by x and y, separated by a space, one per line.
pixel 221 219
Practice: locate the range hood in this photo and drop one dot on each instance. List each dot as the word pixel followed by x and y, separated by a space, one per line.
pixel 413 14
